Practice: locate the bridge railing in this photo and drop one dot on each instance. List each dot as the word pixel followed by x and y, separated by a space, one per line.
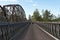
pixel 51 27
pixel 8 30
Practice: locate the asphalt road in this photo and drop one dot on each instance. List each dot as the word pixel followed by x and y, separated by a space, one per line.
pixel 32 32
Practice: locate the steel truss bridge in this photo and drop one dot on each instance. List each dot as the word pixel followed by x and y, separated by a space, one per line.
pixel 21 30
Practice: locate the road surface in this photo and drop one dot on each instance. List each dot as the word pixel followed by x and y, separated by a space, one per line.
pixel 32 32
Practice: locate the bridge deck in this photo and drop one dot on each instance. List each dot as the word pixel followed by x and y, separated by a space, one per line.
pixel 33 32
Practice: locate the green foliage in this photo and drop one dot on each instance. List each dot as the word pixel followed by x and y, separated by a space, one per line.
pixel 47 16
pixel 57 19
pixel 36 16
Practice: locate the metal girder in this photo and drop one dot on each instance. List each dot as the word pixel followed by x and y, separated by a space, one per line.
pixel 13 13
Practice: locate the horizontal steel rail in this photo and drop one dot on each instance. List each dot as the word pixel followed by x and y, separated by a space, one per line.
pixel 51 27
pixel 8 30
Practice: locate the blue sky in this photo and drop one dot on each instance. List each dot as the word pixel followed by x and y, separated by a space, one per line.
pixel 30 5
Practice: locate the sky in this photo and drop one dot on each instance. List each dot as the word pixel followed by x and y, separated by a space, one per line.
pixel 30 5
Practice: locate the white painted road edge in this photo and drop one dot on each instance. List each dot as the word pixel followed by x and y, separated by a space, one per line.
pixel 48 33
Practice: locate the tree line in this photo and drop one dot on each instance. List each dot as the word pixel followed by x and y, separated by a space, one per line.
pixel 46 16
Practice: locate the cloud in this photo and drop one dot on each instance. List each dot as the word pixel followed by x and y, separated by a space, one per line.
pixel 34 5
pixel 9 0
pixel 31 1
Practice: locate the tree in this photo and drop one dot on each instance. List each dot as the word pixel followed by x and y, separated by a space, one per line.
pixel 30 17
pixel 47 16
pixel 36 16
pixel 58 18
